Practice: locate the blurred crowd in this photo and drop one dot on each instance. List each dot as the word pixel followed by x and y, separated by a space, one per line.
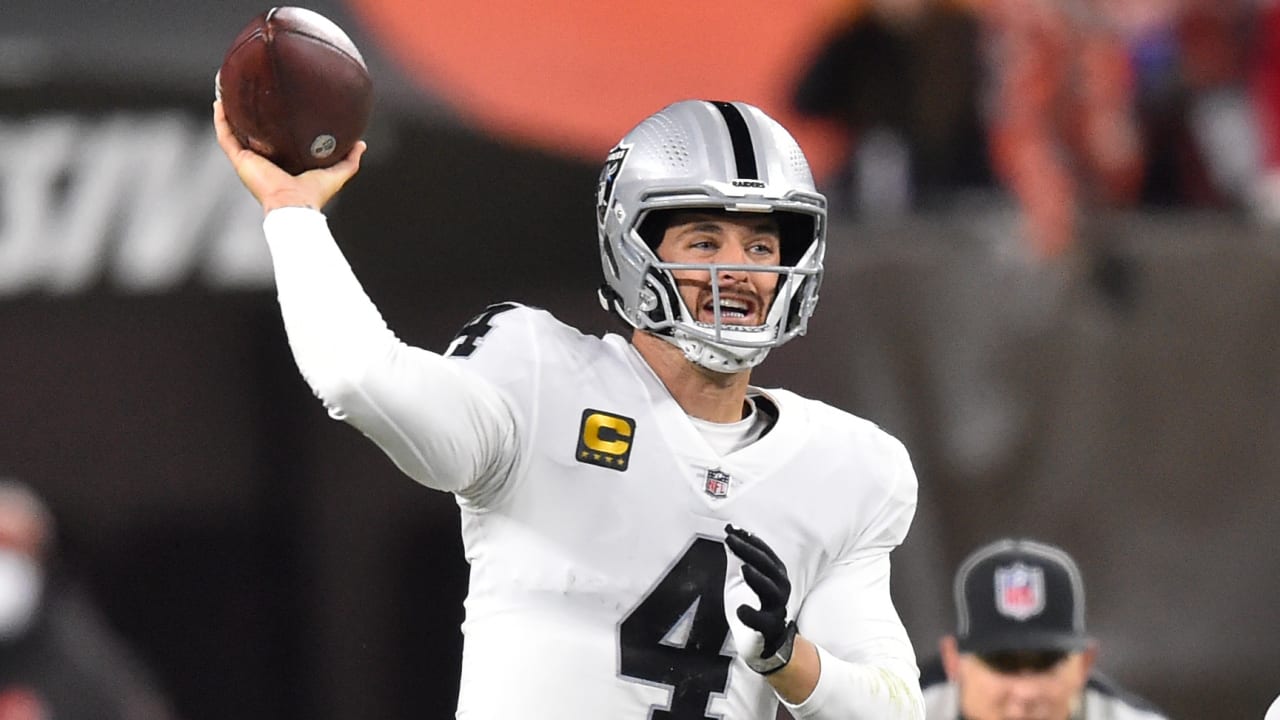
pixel 1070 106
pixel 60 658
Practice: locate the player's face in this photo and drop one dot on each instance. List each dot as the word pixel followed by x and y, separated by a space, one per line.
pixel 724 239
pixel 1023 686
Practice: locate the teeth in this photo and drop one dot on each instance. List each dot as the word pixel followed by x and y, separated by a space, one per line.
pixel 731 308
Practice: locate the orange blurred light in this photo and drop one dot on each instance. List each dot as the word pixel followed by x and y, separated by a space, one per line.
pixel 573 76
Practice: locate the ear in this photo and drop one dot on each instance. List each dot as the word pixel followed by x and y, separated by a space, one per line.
pixel 1088 657
pixel 950 656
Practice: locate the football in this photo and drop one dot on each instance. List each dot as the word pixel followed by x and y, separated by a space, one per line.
pixel 295 89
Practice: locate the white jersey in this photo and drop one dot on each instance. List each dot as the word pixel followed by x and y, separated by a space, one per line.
pixel 594 512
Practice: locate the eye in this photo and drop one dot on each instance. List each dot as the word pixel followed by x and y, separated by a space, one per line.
pixel 764 248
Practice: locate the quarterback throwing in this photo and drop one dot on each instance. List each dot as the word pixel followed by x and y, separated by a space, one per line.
pixel 650 536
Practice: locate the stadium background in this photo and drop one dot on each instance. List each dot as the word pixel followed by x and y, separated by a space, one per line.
pixel 270 563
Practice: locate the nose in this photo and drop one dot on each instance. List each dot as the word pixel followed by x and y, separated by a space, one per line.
pixel 1023 693
pixel 732 254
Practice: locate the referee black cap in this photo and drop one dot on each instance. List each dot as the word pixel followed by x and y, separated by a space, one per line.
pixel 1019 595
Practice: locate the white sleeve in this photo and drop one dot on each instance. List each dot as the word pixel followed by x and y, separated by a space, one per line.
pixel 868 665
pixel 876 676
pixel 441 424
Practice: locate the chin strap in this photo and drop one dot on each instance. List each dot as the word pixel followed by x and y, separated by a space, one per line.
pixel 717 358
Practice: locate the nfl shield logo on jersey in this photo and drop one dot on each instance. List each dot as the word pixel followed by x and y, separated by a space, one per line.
pixel 717 485
pixel 1019 591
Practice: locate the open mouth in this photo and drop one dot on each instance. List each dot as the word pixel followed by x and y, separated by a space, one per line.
pixel 733 311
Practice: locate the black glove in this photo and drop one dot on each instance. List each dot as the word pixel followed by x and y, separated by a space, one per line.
pixel 765 574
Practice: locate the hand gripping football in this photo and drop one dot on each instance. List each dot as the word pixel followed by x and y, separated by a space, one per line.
pixel 295 89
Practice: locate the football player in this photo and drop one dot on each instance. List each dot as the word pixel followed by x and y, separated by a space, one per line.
pixel 650 536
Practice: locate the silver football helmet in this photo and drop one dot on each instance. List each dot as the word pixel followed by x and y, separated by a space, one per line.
pixel 718 155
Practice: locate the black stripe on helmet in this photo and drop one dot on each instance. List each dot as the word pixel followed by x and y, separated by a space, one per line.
pixel 743 151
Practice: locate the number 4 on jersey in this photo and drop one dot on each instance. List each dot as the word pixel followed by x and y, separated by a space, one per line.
pixel 674 637
pixel 469 337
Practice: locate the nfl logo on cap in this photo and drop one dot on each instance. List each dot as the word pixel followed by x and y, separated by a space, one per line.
pixel 1019 591
pixel 1018 594
pixel 717 484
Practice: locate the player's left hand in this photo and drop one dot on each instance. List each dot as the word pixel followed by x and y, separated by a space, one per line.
pixel 766 575
pixel 273 187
